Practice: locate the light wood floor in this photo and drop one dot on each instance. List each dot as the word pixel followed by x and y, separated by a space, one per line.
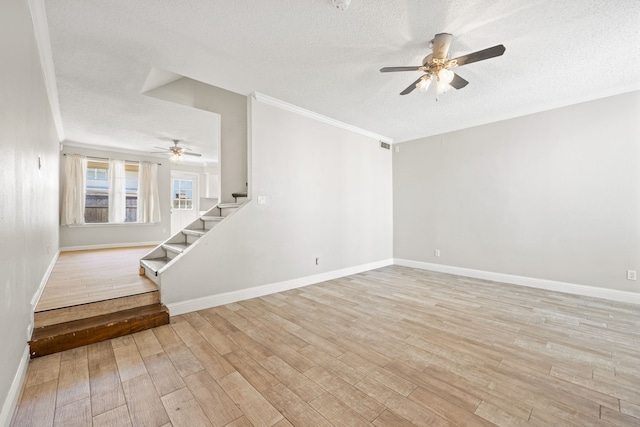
pixel 81 277
pixel 390 347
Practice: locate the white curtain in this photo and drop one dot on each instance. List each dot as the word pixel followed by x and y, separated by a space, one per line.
pixel 148 199
pixel 75 190
pixel 117 191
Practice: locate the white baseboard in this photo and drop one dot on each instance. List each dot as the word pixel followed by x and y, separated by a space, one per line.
pixel 43 282
pixel 272 288
pixel 550 285
pixel 10 403
pixel 109 246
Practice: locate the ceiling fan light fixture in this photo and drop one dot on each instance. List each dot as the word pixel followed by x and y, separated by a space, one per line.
pixel 438 65
pixel 442 87
pixel 445 76
pixel 341 4
pixel 424 84
pixel 175 157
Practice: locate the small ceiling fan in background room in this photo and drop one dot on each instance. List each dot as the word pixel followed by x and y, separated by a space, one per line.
pixel 438 66
pixel 176 152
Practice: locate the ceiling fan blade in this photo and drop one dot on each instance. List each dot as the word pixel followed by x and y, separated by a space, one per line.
pixel 411 87
pixel 184 153
pixel 391 69
pixel 440 45
pixel 162 148
pixel 481 55
pixel 458 82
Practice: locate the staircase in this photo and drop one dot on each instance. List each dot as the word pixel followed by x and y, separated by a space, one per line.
pixel 160 258
pixel 64 328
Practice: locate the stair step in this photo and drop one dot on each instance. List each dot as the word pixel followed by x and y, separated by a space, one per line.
pixel 199 232
pixel 175 247
pixel 228 205
pixel 236 196
pixel 92 309
pixel 155 264
pixel 76 333
pixel 171 249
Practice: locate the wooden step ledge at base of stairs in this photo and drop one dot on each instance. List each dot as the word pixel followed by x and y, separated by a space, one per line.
pixel 76 333
pixel 55 316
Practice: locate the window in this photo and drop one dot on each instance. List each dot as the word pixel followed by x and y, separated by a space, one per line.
pixel 97 199
pixel 182 194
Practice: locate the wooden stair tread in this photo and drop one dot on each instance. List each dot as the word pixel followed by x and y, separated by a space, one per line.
pixel 76 333
pixel 96 308
pixel 77 325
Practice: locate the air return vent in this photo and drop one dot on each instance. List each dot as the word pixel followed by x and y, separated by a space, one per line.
pixel 385 145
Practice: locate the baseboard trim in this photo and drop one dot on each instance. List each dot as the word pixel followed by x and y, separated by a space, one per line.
pixel 109 246
pixel 10 403
pixel 550 285
pixel 43 282
pixel 272 288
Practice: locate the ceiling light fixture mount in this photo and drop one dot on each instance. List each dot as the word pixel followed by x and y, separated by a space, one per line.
pixel 341 4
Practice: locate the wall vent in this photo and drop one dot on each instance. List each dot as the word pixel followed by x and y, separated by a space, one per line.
pixel 385 145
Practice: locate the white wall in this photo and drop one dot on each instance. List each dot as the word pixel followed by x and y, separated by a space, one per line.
pixel 328 194
pixel 232 108
pixel 553 195
pixel 106 235
pixel 29 195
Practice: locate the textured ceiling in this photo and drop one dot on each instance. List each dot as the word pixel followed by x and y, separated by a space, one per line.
pixel 307 53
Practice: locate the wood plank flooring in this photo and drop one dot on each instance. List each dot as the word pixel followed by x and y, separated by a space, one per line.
pixel 81 277
pixel 389 347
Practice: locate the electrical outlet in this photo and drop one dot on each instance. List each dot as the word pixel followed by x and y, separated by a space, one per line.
pixel 436 252
pixel 397 148
pixel 631 275
pixel 262 200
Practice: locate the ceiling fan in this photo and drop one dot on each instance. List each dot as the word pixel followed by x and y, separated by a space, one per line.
pixel 176 152
pixel 437 65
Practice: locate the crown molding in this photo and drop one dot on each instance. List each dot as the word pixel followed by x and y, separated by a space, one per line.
pixel 319 117
pixel 41 30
